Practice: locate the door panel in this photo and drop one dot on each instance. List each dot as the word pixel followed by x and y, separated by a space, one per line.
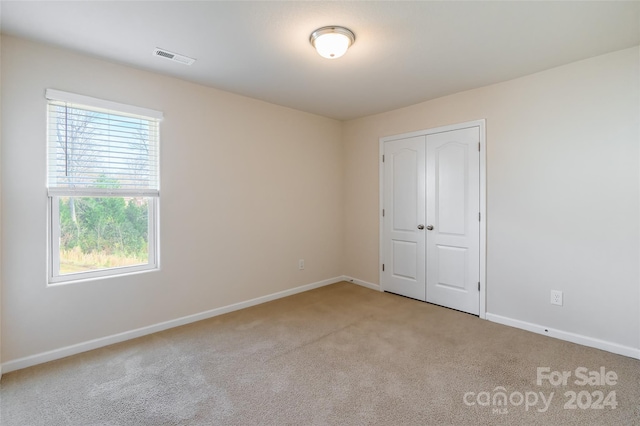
pixel 404 172
pixel 453 205
pixel 404 204
pixel 450 161
pixel 451 267
pixel 405 258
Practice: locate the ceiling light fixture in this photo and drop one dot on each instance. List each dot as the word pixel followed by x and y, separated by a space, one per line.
pixel 332 42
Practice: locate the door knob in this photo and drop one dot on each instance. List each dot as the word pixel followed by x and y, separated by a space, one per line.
pixel 429 227
pixel 420 226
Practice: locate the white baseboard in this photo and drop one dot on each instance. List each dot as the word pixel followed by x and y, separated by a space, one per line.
pixel 568 336
pixel 362 283
pixel 43 357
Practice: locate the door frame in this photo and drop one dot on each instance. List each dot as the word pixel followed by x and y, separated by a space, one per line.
pixel 481 124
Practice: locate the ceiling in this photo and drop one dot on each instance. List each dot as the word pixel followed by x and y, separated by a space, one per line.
pixel 405 52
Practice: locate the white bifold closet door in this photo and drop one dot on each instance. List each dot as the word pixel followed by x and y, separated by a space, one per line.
pixel 431 223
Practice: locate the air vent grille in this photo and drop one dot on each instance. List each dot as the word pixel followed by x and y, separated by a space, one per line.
pixel 165 54
pixel 173 56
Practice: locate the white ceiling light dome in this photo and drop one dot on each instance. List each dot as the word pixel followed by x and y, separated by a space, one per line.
pixel 333 41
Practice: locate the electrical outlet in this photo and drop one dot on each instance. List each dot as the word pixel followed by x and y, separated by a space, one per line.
pixel 556 297
pixel 301 264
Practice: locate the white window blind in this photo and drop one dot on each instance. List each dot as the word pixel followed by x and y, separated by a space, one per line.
pixel 98 147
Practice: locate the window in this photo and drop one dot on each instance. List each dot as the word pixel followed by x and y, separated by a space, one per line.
pixel 103 187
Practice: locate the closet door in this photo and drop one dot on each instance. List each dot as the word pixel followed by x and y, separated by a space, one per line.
pixel 430 229
pixel 404 211
pixel 453 222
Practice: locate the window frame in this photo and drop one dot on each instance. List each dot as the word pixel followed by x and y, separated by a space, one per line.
pixel 54 194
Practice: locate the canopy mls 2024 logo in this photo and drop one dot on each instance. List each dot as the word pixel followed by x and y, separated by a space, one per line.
pixel 500 400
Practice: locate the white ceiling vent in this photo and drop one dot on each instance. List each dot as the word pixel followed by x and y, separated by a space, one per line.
pixel 173 56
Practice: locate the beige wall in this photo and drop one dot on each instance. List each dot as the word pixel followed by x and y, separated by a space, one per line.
pixel 0 209
pixel 247 189
pixel 562 192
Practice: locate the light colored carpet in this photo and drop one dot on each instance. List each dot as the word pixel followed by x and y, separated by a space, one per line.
pixel 338 355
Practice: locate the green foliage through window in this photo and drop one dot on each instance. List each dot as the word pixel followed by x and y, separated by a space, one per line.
pixel 102 232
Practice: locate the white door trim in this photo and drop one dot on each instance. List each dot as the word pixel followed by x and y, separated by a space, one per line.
pixel 483 195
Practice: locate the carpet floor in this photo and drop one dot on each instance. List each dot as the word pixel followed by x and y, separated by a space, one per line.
pixel 337 355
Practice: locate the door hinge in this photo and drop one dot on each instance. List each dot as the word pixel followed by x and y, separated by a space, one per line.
pixel 383 158
pixel 382 212
pixel 478 146
pixel 479 217
pixel 383 267
pixel 478 285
